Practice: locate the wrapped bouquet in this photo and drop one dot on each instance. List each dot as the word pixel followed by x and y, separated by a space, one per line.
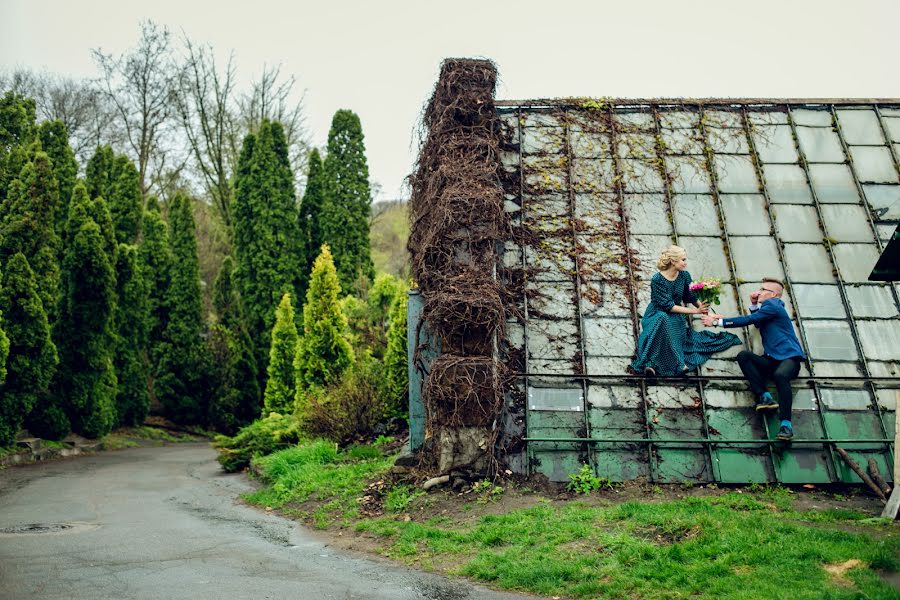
pixel 707 291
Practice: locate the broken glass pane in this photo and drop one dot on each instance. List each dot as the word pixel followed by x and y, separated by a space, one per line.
pixel 608 337
pixel 786 184
pixel 689 174
pixel 736 174
pixel 871 301
pixel 885 232
pixel 696 214
pixel 819 301
pixel 820 144
pixel 679 119
pixel 806 116
pixel 641 176
pixel 682 141
pixel 706 257
pixel 847 223
pixel 647 213
pixel 829 340
pixel 797 223
pixel 855 261
pixel 775 143
pixel 543 140
pixel 874 164
pixel 860 126
pixel 884 201
pixel 879 338
pixel 593 175
pixel 755 257
pixel 570 399
pixel 745 214
pixel 833 183
pixel 808 263
pixel 728 141
pixel 590 144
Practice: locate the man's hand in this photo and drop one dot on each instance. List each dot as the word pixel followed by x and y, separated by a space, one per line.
pixel 710 320
pixel 754 297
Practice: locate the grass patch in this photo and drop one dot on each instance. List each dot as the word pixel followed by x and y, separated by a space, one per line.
pixel 317 470
pixel 118 441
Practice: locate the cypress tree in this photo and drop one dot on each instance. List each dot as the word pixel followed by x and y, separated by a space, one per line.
pixel 235 398
pixel 345 223
pixel 323 352
pixel 27 220
pixel 311 218
pixel 182 361
pixel 86 382
pixel 281 386
pixel 131 327
pixel 32 356
pixel 155 258
pixel 17 131
pixel 55 142
pixel 267 242
pixel 98 171
pixel 4 342
pixel 396 358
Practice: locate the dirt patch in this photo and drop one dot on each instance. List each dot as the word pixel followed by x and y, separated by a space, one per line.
pixel 838 571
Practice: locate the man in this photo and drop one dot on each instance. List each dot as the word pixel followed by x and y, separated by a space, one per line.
pixel 782 351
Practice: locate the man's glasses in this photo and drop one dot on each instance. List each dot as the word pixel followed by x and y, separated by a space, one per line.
pixel 767 290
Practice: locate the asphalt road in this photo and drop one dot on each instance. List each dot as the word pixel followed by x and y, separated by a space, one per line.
pixel 164 523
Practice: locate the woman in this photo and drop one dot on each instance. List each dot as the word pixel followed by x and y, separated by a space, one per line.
pixel 668 345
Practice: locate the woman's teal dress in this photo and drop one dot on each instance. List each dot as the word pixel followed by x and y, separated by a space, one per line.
pixel 668 344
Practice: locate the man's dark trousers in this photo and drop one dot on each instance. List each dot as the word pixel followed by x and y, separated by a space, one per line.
pixel 758 369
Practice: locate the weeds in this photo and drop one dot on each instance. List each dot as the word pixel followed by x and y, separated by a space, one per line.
pixel 585 482
pixel 486 491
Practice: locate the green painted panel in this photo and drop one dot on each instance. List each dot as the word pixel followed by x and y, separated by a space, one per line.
pixel 557 460
pixel 845 424
pixel 801 463
pixel 677 464
pixel 744 465
pixel 740 463
pixel 847 475
pixel 621 462
pixel 557 465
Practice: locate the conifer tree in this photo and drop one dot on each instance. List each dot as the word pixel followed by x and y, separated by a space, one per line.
pixel 235 397
pixel 311 218
pixel 155 258
pixel 396 358
pixel 32 356
pixel 267 242
pixel 182 361
pixel 4 342
pixel 345 223
pixel 115 179
pixel 86 381
pixel 98 172
pixel 55 142
pixel 323 352
pixel 17 131
pixel 27 225
pixel 281 386
pixel 131 328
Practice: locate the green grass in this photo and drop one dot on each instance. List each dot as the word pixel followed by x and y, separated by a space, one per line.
pixel 317 470
pixel 730 546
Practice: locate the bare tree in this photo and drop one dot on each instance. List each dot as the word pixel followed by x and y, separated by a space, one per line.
pixel 79 104
pixel 140 84
pixel 208 121
pixel 271 98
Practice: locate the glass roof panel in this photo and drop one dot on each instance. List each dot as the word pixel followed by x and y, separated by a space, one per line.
pixel 879 338
pixel 689 175
pixel 820 144
pixel 775 143
pixel 696 214
pixel 855 261
pixel 786 184
pixel 679 119
pixel 809 116
pixel 833 183
pixel 755 257
pixel 829 340
pixel 847 223
pixel 736 174
pixel 871 301
pixel 745 214
pixel 706 257
pixel 797 223
pixel 648 213
pixel 808 263
pixel 874 164
pixel 884 201
pixel 860 126
pixel 819 301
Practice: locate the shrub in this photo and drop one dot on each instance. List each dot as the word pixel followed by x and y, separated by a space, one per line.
pixel 261 437
pixel 585 482
pixel 350 409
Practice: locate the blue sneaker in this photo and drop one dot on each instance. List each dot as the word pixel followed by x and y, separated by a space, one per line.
pixel 785 434
pixel 766 402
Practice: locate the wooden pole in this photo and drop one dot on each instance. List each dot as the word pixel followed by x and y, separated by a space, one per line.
pixel 890 511
pixel 862 474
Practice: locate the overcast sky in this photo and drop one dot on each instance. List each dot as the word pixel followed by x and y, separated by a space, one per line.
pixel 381 58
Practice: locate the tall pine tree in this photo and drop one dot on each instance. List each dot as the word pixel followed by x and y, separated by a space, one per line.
pixel 32 356
pixel 86 382
pixel 311 218
pixel 4 341
pixel 115 179
pixel 55 142
pixel 267 243
pixel 235 400
pixel 323 352
pixel 281 387
pixel 131 328
pixel 17 132
pixel 348 202
pixel 183 365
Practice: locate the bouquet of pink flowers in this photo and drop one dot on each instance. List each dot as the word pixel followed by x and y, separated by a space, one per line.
pixel 707 291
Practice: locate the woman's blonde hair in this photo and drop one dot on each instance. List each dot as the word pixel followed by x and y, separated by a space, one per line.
pixel 669 256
